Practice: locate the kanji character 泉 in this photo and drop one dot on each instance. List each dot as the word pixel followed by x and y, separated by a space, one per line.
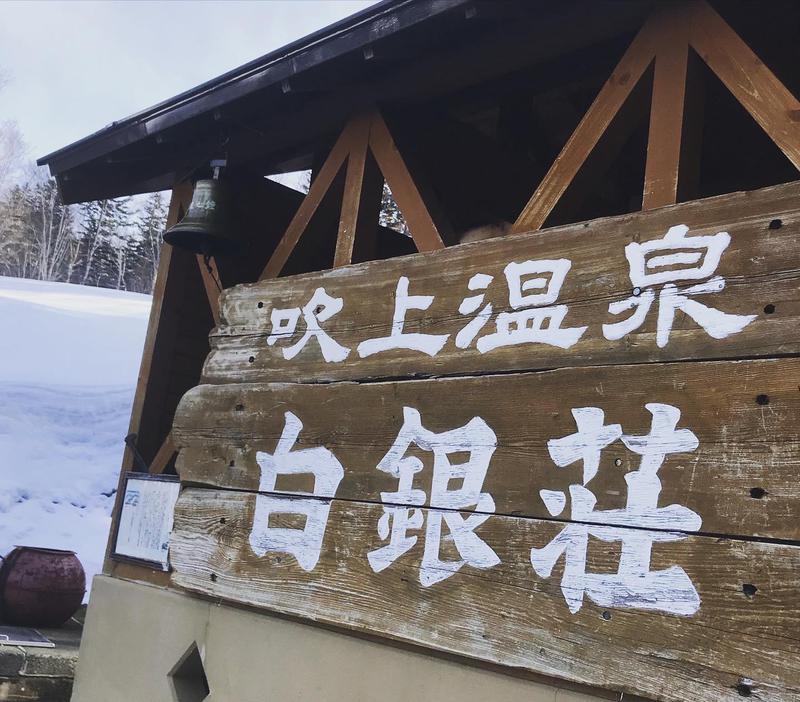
pixel 475 437
pixel 634 585
pixel 319 308
pixel 304 544
pixel 677 258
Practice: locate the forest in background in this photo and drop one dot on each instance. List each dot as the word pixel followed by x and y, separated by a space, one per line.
pixel 109 243
pixel 106 243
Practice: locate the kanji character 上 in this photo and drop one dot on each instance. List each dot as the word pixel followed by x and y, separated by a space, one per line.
pixel 430 344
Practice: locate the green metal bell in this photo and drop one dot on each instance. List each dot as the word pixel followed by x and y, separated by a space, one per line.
pixel 203 230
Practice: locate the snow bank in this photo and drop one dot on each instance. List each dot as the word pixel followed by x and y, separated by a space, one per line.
pixel 69 357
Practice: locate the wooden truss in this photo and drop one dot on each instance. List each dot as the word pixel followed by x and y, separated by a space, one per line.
pixel 366 150
pixel 364 143
pixel 665 40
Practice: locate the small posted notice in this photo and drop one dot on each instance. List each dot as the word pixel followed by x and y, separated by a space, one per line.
pixel 145 521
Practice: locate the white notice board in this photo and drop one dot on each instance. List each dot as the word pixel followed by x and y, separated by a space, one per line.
pixel 145 519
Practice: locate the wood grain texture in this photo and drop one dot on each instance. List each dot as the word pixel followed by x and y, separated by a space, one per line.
pixel 761 267
pixel 664 148
pixel 425 231
pixel 743 445
pixel 750 81
pixel 508 615
pixel 353 209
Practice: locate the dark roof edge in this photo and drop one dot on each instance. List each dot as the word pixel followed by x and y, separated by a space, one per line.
pixel 133 128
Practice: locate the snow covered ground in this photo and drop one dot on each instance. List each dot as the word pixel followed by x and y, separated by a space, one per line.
pixel 69 356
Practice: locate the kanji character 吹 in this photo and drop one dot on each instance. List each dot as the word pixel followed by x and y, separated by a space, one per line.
pixel 634 585
pixel 687 253
pixel 319 308
pixel 304 544
pixel 430 344
pixel 536 319
pixel 475 437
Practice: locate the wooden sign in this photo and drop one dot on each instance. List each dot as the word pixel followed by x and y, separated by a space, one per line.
pixel 618 521
pixel 708 279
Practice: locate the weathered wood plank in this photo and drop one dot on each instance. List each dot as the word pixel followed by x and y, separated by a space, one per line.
pixel 741 478
pixel 760 270
pixel 361 199
pixel 738 639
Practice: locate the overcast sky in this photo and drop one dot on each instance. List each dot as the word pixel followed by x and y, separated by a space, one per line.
pixel 73 67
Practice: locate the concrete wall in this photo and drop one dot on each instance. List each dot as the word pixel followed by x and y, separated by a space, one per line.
pixel 134 635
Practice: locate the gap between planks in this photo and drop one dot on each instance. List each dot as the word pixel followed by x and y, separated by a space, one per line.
pixel 552 520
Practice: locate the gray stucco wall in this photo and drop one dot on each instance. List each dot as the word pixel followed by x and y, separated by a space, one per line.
pixel 135 634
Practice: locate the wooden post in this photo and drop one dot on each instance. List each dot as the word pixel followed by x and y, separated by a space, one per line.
pixel 179 203
pixel 210 275
pixel 662 169
pixel 309 205
pixel 360 174
pixel 666 38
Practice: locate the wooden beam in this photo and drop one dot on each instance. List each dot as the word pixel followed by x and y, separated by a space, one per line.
pixel 667 114
pixel 425 232
pixel 210 275
pixel 572 206
pixel 757 88
pixel 309 206
pixel 608 102
pixel 179 203
pixel 370 235
pixel 351 201
pixel 164 456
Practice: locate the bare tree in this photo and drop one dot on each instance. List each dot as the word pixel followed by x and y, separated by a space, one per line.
pixel 50 228
pixel 12 147
pixel 12 154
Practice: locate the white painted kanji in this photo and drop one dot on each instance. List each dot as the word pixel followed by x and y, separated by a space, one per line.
pixel 320 308
pixel 533 288
pixel 470 305
pixel 430 344
pixel 401 513
pixel 634 585
pixel 304 544
pixel 663 262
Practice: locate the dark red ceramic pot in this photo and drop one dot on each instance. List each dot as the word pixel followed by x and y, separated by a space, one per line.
pixel 40 586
